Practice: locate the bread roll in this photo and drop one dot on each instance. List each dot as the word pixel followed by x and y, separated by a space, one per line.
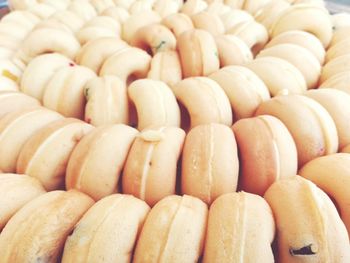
pixel 45 155
pixel 192 7
pixel 240 229
pixel 16 191
pixel 339 49
pixel 244 89
pixel 151 168
pixel 338 81
pixel 198 53
pixel 15 130
pixel 204 100
pixel 335 66
pixel 167 7
pixel 178 23
pixel 15 101
pixel 267 152
pixel 96 162
pixel 235 17
pixel 118 13
pixel 210 162
pixel 169 236
pixel 308 225
pixel 339 35
pixel 108 230
pixel 208 22
pixel 37 232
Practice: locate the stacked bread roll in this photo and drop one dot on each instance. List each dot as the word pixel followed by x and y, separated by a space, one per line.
pixel 174 131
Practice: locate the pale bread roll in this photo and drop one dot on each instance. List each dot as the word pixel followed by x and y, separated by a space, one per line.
pixel 102 5
pixel 339 49
pixel 309 228
pixel 278 75
pixel 337 103
pixel 303 39
pixel 198 53
pixel 307 17
pixel 340 35
pixel 154 38
pixel 15 130
pixel 267 152
pixel 106 101
pixel 16 191
pixel 232 50
pixel 335 66
pixel 204 100
pixel 38 231
pixel 95 52
pixel 208 22
pixel 178 23
pixel 150 171
pixel 299 57
pixel 64 93
pixel 338 81
pixel 82 8
pixel 168 236
pixel 14 101
pixel 45 155
pixel 39 72
pixel 108 230
pixel 244 89
pixel 210 162
pixel 155 104
pixel 192 7
pixel 118 13
pixel 331 174
pixel 96 162
pixel 166 67
pixel 235 17
pixel 127 64
pixel 240 229
pixel 253 6
pixel 69 19
pixel 310 125
pixel 167 7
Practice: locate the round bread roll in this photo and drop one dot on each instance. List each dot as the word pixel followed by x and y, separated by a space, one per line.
pixel 252 33
pixel 235 17
pixel 253 6
pixel 269 13
pixel 15 130
pixel 335 66
pixel 117 13
pixel 140 6
pixel 102 5
pixel 237 223
pixel 7 84
pixel 308 225
pixel 96 162
pixel 95 52
pixel 16 191
pixel 338 81
pixel 127 64
pixel 42 10
pixel 38 231
pixel 244 89
pixel 6 53
pixel 210 162
pixel 10 42
pixel 11 101
pixel 107 101
pixel 45 155
pixel 68 18
pixel 192 7
pixel 339 49
pixel 45 40
pixel 339 35
pixel 203 102
pixel 178 23
pixel 232 50
pixel 154 38
pixel 108 230
pixel 98 27
pixel 82 8
pixel 234 4
pixel 166 67
pixel 136 21
pixel 64 93
pixel 303 39
pixel 155 104
pixel 14 30
pixel 39 72
pixel 299 57
pixel 278 75
pixel 218 8
pixel 340 20
pixel 310 125
pixel 23 18
pixel 169 236
pixel 267 152
pixel 306 17
pixel 337 103
pixel 198 53
pixel 167 7
pixel 151 166
pixel 331 174
pixel 208 22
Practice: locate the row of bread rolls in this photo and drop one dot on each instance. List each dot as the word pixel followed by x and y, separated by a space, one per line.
pixel 236 227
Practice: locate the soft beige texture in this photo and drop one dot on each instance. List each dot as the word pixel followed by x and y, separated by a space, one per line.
pixel 178 23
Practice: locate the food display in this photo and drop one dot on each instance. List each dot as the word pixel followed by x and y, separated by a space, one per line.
pixel 174 131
